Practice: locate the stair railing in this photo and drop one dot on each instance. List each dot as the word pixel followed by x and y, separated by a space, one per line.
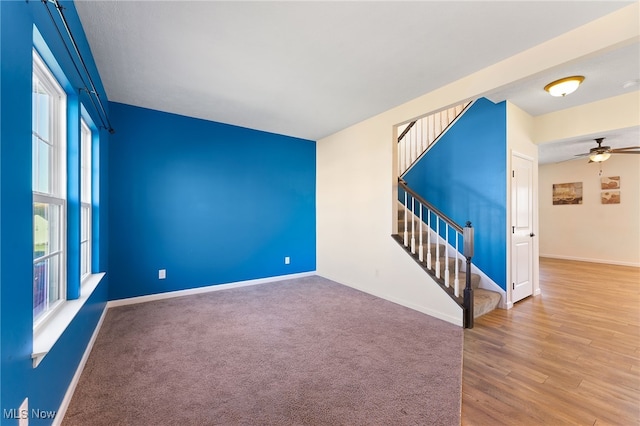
pixel 422 133
pixel 439 230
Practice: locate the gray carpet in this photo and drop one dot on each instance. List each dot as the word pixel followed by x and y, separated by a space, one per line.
pixel 298 352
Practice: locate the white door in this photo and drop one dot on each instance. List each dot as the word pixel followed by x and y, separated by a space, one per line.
pixel 522 232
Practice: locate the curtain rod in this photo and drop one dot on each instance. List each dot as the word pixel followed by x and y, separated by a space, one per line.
pixel 93 90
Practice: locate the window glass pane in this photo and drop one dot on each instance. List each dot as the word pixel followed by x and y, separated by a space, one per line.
pixel 40 286
pixel 84 257
pixel 84 223
pixel 34 104
pixel 34 161
pixel 41 167
pixel 41 122
pixel 85 163
pixel 46 285
pixel 46 224
pixel 55 227
pixel 41 237
pixel 54 279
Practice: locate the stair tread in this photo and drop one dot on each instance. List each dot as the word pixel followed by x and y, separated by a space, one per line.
pixel 484 301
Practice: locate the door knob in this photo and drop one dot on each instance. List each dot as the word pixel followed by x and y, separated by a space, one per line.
pixel 532 234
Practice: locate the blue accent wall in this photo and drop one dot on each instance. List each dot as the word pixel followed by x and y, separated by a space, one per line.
pixel 464 176
pixel 211 203
pixel 45 385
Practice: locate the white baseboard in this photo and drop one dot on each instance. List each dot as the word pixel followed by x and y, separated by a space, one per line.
pixel 76 377
pixel 207 289
pixel 583 259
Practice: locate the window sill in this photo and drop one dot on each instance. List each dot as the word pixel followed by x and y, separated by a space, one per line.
pixel 49 333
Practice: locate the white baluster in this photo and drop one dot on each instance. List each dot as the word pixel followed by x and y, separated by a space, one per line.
pixel 428 239
pixel 406 218
pixel 418 141
pixel 437 246
pixel 400 157
pixel 423 130
pixel 456 281
pixel 408 150
pixel 409 147
pixel 446 255
pixel 413 226
pixel 431 129
pixel 400 169
pixel 421 248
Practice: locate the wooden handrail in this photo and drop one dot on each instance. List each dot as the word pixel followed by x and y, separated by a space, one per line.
pixel 444 217
pixel 405 131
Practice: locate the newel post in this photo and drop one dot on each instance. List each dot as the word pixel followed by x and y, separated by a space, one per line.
pixel 467 303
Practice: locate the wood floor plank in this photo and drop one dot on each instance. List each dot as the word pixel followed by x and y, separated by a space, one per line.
pixel 568 356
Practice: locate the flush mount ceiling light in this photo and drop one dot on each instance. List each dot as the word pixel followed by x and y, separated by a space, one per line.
pixel 564 86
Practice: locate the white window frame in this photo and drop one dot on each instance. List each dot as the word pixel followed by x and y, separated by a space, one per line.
pixel 56 194
pixel 85 200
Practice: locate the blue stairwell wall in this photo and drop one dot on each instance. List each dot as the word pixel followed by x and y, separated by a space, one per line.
pixel 464 176
pixel 210 203
pixel 45 386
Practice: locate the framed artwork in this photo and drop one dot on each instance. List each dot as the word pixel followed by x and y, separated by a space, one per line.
pixel 612 182
pixel 567 193
pixel 610 197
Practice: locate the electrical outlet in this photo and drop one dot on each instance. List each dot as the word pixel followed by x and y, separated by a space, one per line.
pixel 287 260
pixel 162 274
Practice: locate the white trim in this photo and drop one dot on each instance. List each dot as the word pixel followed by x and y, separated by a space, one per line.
pixel 76 377
pixel 207 289
pixel 582 259
pixel 49 333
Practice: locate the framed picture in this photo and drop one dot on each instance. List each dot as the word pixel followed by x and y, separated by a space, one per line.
pixel 612 182
pixel 610 197
pixel 567 193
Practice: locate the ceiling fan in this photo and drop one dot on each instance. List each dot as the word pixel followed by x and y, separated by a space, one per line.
pixel 602 153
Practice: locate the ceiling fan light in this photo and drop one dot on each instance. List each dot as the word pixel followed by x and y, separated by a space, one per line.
pixel 564 86
pixel 599 157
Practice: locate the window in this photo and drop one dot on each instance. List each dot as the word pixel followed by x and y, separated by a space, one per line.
pixel 49 191
pixel 85 200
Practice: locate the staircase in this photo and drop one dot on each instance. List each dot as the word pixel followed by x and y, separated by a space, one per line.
pixel 484 300
pixel 433 240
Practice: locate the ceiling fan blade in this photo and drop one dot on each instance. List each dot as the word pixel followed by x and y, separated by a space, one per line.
pixel 626 149
pixel 625 152
pixel 582 155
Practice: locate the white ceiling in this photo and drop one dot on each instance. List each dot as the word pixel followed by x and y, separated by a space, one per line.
pixel 309 69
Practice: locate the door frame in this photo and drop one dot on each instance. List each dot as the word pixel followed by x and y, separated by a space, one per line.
pixel 535 212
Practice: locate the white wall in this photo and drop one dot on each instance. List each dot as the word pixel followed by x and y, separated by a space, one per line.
pixel 354 220
pixel 356 173
pixel 592 231
pixel 520 130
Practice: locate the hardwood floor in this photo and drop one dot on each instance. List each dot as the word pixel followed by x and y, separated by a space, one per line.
pixel 570 356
